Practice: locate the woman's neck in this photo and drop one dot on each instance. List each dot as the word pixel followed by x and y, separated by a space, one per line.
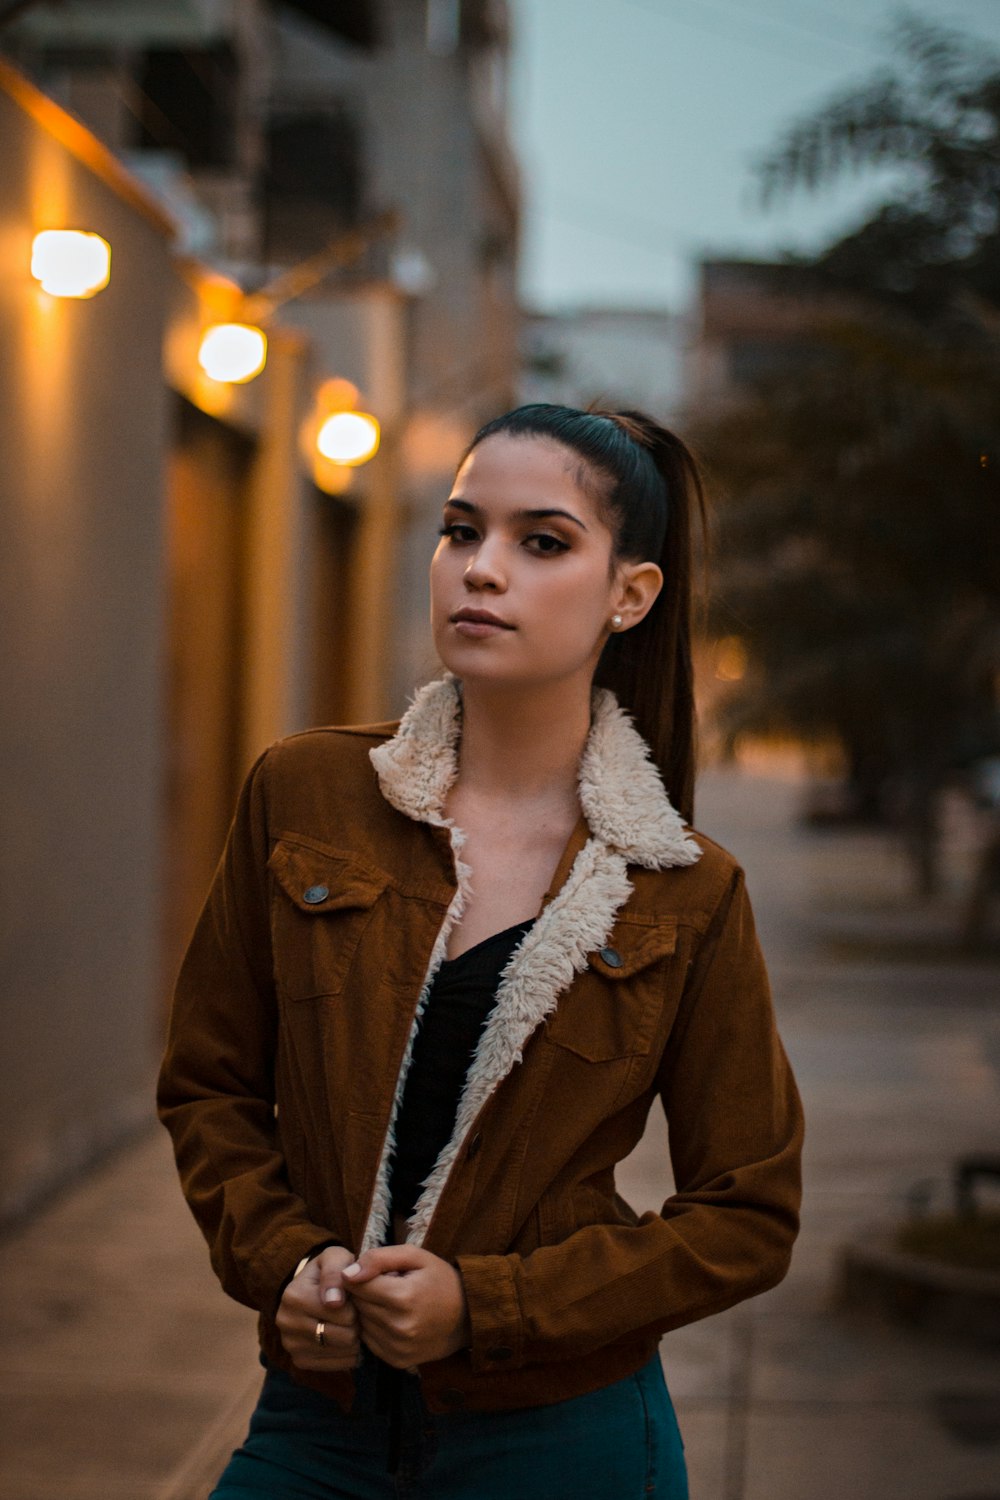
pixel 523 744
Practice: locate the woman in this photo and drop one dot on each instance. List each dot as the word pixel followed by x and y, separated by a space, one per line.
pixel 443 971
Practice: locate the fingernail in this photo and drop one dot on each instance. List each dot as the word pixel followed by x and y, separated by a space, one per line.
pixel 333 1294
pixel 352 1270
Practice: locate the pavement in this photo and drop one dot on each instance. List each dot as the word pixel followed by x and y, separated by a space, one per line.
pixel 125 1374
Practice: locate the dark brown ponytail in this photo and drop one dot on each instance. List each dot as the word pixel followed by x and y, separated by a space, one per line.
pixel 650 668
pixel 650 490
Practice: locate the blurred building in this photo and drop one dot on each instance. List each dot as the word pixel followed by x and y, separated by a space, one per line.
pixel 186 578
pixel 268 130
pixel 753 321
pixel 615 357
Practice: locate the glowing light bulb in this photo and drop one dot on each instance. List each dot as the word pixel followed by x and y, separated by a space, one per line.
pixel 70 262
pixel 349 437
pixel 233 352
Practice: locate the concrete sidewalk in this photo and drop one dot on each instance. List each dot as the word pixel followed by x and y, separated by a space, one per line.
pixel 898 1061
pixel 125 1374
pixel 124 1371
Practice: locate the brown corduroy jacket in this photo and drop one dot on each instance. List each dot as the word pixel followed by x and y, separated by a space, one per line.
pixel 642 977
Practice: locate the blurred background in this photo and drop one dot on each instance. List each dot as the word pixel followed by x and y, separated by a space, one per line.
pixel 267 267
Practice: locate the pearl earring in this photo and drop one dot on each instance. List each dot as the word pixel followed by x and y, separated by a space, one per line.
pixel 616 622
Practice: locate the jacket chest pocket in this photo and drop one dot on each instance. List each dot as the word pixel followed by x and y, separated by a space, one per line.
pixel 615 1008
pixel 322 902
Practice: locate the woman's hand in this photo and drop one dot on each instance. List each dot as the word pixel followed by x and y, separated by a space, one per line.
pixel 410 1304
pixel 302 1308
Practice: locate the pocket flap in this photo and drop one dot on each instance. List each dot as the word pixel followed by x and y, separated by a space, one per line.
pixel 319 880
pixel 633 945
pixel 601 1024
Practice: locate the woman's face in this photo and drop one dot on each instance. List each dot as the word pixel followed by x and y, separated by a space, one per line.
pixel 522 589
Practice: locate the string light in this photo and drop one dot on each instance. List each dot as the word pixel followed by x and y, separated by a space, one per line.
pixel 233 352
pixel 349 438
pixel 71 262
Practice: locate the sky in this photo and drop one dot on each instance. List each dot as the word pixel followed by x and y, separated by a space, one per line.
pixel 637 123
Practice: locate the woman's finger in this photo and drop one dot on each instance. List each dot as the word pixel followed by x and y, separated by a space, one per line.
pixel 388 1289
pixel 375 1320
pixel 335 1321
pixel 330 1265
pixel 331 1342
pixel 299 1329
pixel 383 1259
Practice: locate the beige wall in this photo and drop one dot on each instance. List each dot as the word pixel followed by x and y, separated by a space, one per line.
pixel 360 335
pixel 82 435
pixel 268 414
pixel 92 739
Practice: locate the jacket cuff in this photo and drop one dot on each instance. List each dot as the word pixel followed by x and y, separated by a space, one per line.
pixel 494 1312
pixel 274 1262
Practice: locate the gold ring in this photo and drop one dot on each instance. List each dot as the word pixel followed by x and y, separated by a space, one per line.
pixel 320 1334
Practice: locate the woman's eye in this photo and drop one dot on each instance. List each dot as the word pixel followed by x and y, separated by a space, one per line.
pixel 542 543
pixel 547 545
pixel 456 532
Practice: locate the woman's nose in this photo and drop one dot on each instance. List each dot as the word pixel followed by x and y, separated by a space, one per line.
pixel 484 570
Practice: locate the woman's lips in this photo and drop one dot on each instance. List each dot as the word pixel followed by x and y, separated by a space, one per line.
pixel 479 627
pixel 479 623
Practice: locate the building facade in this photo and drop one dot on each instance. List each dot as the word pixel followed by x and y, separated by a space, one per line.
pixel 755 320
pixel 613 357
pixel 188 581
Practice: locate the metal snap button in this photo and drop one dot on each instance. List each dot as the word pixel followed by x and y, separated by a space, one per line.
pixel 315 894
pixel 612 958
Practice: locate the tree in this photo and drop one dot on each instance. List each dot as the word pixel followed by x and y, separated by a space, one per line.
pixel 935 116
pixel 863 488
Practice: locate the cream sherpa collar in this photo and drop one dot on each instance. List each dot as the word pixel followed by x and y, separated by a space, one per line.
pixel 622 796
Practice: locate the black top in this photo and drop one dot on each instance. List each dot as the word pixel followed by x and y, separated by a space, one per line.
pixel 461 998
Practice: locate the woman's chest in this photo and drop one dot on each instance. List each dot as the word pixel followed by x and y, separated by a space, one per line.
pixel 352 952
pixel 510 870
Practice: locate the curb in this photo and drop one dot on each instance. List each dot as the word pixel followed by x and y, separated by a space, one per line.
pixel 928 1296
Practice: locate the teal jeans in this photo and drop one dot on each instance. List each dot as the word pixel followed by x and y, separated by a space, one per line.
pixel 620 1442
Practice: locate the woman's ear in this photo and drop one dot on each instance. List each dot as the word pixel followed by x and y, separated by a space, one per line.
pixel 638 586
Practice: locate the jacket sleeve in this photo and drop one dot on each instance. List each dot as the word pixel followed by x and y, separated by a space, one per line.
pixel 216 1086
pixel 736 1131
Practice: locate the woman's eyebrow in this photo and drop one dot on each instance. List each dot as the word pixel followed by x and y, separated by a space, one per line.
pixel 522 515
